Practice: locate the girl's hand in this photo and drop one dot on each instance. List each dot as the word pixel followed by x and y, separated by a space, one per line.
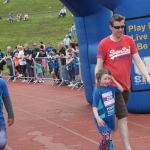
pixel 100 122
pixel 112 78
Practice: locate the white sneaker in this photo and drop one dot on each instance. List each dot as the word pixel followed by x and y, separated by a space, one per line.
pixel 77 86
pixel 71 84
pixel 24 81
pixel 14 80
pixel 35 81
pixel 20 75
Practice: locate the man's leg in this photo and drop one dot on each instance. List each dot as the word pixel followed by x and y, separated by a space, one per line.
pixel 121 114
pixel 123 130
pixel 11 72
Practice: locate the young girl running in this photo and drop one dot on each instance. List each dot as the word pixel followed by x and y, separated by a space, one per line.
pixel 104 106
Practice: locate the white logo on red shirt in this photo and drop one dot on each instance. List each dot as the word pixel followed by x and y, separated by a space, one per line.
pixel 115 53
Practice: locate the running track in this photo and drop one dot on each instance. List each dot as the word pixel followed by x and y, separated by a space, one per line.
pixel 58 118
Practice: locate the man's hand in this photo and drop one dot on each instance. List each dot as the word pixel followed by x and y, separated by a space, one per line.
pixel 10 122
pixel 148 79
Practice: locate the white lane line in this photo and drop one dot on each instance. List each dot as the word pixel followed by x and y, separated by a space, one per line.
pixel 74 145
pixel 73 132
pixel 8 147
pixel 49 90
pixel 52 101
pixel 134 138
pixel 72 106
pixel 59 92
pixel 137 115
pixel 139 125
pixel 92 130
pixel 137 137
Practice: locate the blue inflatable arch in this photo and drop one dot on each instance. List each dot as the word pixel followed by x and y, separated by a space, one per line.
pixel 92 23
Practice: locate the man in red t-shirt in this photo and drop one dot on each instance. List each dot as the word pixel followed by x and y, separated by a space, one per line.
pixel 115 53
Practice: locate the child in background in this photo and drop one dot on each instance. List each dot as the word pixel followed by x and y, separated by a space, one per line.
pixel 39 72
pixel 69 33
pixel 19 16
pixel 50 62
pixel 54 73
pixel 104 106
pixel 62 12
pixel 16 62
pixel 43 61
pixel 69 65
pixel 26 17
pixel 77 47
pixel 76 64
pixel 6 1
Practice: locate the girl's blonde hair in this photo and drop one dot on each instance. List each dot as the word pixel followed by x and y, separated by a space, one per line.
pixel 99 75
pixel 75 53
pixel 69 50
pixel 20 47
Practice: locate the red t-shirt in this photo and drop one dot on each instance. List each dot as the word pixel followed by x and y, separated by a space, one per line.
pixel 117 58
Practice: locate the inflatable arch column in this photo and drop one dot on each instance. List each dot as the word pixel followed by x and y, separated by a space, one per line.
pixel 92 23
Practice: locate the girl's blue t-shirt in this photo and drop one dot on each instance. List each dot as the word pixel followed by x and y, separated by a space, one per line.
pixel 55 62
pixel 76 62
pixel 3 94
pixel 51 62
pixel 71 63
pixel 104 100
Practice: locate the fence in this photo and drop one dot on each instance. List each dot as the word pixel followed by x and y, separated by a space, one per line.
pixel 34 73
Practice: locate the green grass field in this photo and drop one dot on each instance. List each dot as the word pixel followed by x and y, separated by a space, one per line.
pixel 43 24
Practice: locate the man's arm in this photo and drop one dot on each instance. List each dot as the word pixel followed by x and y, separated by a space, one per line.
pixel 99 65
pixel 8 57
pixel 26 57
pixel 140 65
pixel 37 55
pixel 28 54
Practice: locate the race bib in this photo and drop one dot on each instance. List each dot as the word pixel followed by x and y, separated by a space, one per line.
pixel 109 102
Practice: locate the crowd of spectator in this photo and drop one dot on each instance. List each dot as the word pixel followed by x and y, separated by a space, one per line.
pixel 31 65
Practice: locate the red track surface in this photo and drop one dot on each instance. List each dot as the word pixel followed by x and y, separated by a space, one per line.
pixel 58 118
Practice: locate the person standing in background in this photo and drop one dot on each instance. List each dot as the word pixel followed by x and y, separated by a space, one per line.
pixel 67 41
